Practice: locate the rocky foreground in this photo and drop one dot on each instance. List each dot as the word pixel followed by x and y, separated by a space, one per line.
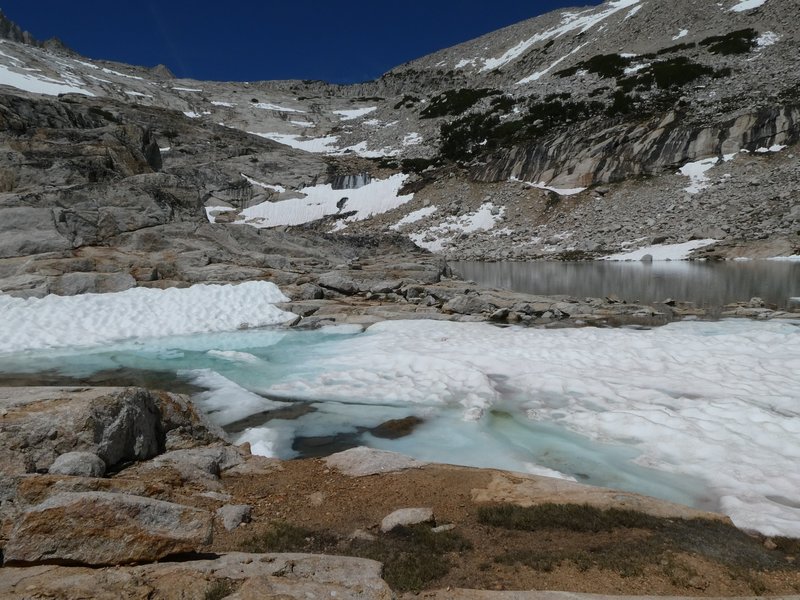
pixel 129 493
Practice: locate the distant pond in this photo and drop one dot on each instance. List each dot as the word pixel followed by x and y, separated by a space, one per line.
pixel 708 284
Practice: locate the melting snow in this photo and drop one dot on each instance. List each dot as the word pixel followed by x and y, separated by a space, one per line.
pixel 356 113
pixel 412 139
pixel 320 201
pixel 745 5
pixel 664 251
pixel 437 237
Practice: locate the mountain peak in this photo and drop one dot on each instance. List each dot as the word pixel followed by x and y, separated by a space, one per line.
pixel 13 32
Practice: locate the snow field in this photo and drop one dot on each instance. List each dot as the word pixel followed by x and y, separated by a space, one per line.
pixel 377 197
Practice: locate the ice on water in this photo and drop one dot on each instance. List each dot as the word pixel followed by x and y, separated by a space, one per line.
pixel 706 413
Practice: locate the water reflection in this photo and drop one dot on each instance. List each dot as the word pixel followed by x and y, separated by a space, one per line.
pixel 707 284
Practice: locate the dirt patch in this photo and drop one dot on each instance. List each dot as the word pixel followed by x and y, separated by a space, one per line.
pixel 305 506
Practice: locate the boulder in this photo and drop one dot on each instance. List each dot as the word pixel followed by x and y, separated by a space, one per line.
pixel 338 283
pixel 119 425
pixel 233 515
pixel 78 464
pixel 360 462
pixel 103 528
pixel 405 517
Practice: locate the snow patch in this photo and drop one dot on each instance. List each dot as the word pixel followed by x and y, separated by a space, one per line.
pixel 578 21
pixel 773 148
pixel 377 197
pixel 38 85
pixel 275 107
pixel 356 113
pixel 681 34
pixel 436 238
pixel 745 5
pixel 543 186
pixel 663 251
pixel 768 38
pixel 272 188
pixel 412 139
pixel 316 145
pixel 414 217
pixel 96 319
pixel 183 89
pixel 225 104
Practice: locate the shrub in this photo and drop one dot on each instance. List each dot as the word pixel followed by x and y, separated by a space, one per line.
pixel 455 102
pixel 735 42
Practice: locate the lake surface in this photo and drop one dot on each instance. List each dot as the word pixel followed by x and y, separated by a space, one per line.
pixel 708 284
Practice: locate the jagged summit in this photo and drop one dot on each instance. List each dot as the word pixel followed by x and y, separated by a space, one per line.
pixel 13 32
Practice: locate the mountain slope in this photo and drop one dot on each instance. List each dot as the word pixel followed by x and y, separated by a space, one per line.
pixel 580 132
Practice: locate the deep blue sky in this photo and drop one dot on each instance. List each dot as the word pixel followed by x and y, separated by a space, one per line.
pixel 248 40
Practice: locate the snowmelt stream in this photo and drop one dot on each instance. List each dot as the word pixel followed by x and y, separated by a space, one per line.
pixel 705 413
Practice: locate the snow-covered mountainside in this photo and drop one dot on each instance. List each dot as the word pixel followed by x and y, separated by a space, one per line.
pixel 582 132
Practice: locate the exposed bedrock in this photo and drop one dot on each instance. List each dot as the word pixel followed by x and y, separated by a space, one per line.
pixel 582 156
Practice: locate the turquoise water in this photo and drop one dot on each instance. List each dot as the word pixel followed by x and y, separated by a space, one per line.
pixel 252 363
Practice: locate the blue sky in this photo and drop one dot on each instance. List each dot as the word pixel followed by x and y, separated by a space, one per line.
pixel 248 40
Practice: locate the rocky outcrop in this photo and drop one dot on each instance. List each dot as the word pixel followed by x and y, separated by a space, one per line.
pixel 100 528
pixel 118 425
pixel 585 156
pixel 240 576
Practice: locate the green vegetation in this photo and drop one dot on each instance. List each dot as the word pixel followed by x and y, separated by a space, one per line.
pixel 455 102
pixel 284 537
pixel 604 65
pixel 573 517
pixel 417 165
pixel 675 48
pixel 406 102
pixel 476 134
pixel 412 557
pixel 736 42
pixel 221 588
pixel 657 543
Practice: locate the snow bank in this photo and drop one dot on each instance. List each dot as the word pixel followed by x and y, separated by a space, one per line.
pixel 663 251
pixel 377 197
pixel 414 217
pixel 95 319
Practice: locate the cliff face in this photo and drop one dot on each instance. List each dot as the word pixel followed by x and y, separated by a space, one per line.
pixel 14 33
pixel 581 156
